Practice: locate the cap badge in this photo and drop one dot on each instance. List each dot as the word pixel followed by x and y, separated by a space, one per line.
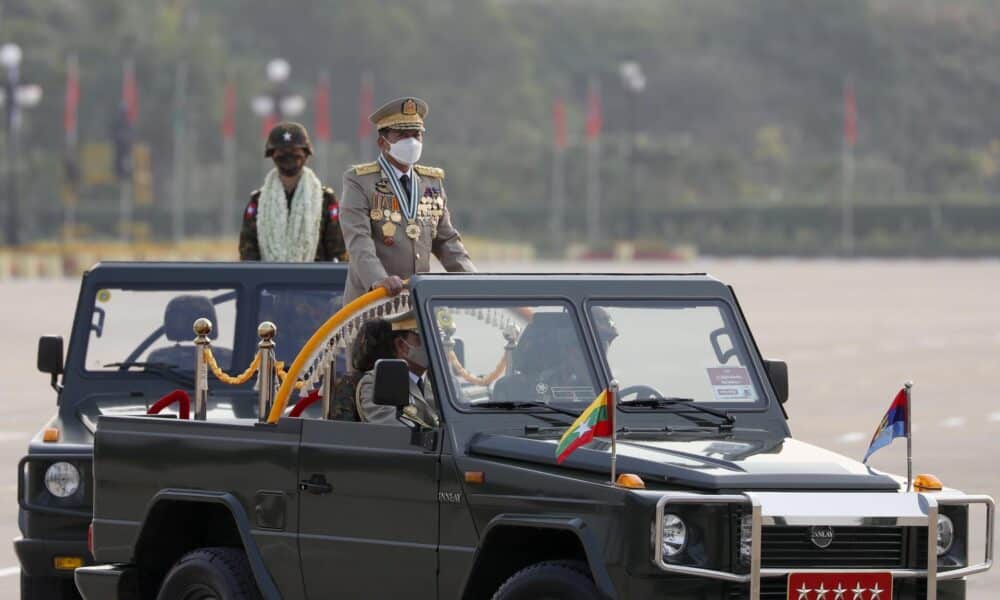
pixel 287 136
pixel 409 107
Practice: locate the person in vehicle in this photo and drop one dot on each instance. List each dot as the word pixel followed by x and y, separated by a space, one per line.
pixel 393 338
pixel 293 217
pixel 395 211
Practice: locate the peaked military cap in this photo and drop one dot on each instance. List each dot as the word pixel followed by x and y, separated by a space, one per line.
pixel 287 135
pixel 401 113
pixel 404 322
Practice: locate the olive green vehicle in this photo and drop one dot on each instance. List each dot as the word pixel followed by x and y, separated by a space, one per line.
pixel 712 498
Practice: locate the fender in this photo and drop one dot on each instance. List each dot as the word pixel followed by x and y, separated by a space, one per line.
pixel 264 582
pixel 574 525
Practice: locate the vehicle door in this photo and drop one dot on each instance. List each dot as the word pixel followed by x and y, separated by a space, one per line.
pixel 369 511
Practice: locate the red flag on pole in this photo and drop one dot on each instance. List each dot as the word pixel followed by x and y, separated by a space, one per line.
pixel 229 111
pixel 559 123
pixel 268 124
pixel 72 103
pixel 595 119
pixel 130 92
pixel 322 104
pixel 365 106
pixel 850 115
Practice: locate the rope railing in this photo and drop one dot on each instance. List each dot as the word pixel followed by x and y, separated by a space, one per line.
pixel 224 377
pixel 279 370
pixel 458 369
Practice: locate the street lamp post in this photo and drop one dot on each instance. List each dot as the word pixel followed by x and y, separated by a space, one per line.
pixel 278 102
pixel 634 82
pixel 13 98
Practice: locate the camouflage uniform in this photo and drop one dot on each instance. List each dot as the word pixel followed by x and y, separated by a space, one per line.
pixel 331 239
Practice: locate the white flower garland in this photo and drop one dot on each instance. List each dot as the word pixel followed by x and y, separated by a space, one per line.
pixel 289 236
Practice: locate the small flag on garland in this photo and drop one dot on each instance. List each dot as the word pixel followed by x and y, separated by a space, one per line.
pixel 596 421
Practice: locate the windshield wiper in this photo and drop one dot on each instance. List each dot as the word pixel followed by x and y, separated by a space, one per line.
pixel 728 420
pixel 512 405
pixel 171 372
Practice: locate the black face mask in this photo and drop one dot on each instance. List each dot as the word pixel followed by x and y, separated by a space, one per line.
pixel 289 165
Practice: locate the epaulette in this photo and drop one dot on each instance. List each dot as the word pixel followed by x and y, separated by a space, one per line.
pixel 425 171
pixel 254 195
pixel 367 168
pixel 328 191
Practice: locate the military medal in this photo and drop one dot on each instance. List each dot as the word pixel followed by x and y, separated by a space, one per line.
pixel 396 217
pixel 413 230
pixel 403 202
pixel 376 214
pixel 388 229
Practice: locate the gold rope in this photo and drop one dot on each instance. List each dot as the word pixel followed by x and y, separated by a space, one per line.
pixel 229 379
pixel 279 368
pixel 456 365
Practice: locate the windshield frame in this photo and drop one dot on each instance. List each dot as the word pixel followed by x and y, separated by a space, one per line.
pixel 436 346
pixel 731 317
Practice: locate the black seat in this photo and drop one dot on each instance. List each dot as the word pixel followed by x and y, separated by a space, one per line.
pixel 178 319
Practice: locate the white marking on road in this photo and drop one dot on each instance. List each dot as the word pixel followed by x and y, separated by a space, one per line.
pixel 9 571
pixel 850 437
pixel 995 417
pixel 953 422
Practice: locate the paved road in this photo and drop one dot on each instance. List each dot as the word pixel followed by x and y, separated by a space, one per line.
pixel 851 332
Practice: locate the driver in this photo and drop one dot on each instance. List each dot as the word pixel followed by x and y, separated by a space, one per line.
pixel 393 338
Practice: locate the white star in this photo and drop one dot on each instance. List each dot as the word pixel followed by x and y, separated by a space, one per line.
pixel 803 592
pixel 859 592
pixel 876 592
pixel 287 137
pixel 840 591
pixel 821 591
pixel 584 428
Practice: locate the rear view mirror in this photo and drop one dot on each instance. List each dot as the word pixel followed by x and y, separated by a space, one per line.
pixel 50 354
pixel 777 372
pixel 392 383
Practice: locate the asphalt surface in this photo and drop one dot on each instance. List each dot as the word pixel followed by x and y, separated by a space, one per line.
pixel 852 333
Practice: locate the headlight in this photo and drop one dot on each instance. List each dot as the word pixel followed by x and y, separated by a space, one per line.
pixel 62 479
pixel 945 534
pixel 746 533
pixel 674 535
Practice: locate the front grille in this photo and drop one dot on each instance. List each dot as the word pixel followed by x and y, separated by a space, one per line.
pixel 852 547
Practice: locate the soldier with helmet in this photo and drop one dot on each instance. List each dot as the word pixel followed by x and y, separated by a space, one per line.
pixel 292 217
pixel 395 212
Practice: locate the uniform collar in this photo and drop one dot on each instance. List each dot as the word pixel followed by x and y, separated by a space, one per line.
pixel 397 173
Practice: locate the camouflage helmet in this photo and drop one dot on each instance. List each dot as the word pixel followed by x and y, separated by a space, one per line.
pixel 288 135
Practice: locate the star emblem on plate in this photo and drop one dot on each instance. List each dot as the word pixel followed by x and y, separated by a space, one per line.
pixel 821 592
pixel 287 136
pixel 803 592
pixel 859 592
pixel 876 593
pixel 840 590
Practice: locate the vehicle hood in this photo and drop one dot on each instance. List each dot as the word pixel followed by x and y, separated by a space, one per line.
pixel 747 461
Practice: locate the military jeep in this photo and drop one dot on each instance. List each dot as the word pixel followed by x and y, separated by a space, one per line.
pixel 702 492
pixel 130 344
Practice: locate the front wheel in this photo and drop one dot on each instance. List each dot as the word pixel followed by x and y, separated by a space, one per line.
pixel 210 574
pixel 554 580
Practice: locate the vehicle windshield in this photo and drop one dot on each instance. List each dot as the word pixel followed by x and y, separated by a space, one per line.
pixel 298 313
pixel 686 350
pixel 154 328
pixel 503 353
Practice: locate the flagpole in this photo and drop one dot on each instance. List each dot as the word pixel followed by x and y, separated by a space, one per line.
pixel 613 388
pixel 909 438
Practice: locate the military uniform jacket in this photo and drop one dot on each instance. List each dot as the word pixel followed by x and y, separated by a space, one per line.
pixel 422 408
pixel 331 240
pixel 375 255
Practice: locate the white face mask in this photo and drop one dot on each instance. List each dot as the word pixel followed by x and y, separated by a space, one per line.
pixel 406 150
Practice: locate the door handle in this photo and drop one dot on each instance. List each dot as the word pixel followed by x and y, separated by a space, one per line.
pixel 315 485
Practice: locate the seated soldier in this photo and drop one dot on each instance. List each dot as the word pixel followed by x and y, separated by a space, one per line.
pixel 393 338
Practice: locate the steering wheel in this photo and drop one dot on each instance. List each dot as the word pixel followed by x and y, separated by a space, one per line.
pixel 643 391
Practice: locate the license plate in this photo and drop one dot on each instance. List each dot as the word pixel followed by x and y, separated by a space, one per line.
pixel 840 586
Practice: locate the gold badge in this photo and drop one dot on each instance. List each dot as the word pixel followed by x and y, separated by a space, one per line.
pixel 409 107
pixel 396 217
pixel 376 214
pixel 388 229
pixel 413 231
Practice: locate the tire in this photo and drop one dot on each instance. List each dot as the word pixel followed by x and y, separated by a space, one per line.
pixel 552 580
pixel 210 574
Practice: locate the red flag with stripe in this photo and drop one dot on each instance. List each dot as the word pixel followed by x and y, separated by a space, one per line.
pixel 850 115
pixel 130 92
pixel 322 104
pixel 559 123
pixel 72 103
pixel 595 119
pixel 229 111
pixel 365 100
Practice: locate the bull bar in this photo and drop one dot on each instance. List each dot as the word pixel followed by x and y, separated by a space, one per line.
pixel 832 509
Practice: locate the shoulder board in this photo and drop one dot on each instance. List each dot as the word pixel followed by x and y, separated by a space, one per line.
pixel 328 191
pixel 254 195
pixel 429 171
pixel 367 168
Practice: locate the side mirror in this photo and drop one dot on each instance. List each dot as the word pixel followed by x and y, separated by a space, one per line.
pixel 777 372
pixel 392 383
pixel 50 354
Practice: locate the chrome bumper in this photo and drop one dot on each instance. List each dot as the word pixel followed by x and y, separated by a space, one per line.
pixel 833 509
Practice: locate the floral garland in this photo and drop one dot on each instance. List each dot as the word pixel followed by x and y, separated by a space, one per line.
pixel 289 235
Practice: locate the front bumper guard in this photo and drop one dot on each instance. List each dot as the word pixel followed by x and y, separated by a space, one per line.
pixel 832 509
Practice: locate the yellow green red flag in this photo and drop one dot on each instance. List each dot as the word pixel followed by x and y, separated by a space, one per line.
pixel 596 421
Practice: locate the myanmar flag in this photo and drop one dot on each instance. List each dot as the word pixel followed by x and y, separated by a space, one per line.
pixel 596 421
